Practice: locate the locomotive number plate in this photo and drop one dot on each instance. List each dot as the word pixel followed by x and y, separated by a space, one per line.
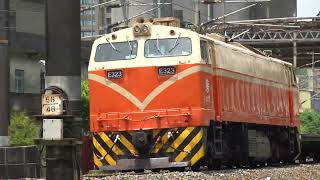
pixel 114 74
pixel 52 105
pixel 163 71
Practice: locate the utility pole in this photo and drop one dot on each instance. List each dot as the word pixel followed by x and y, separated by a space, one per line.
pixel 62 95
pixel 196 12
pixel 4 72
pixel 159 9
pixel 100 11
pixel 125 11
pixel 210 9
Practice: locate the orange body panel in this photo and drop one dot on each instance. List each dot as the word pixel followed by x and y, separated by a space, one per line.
pixel 142 99
pixel 180 104
pixel 253 103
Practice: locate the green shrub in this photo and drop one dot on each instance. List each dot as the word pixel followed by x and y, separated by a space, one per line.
pixel 85 105
pixel 22 129
pixel 310 122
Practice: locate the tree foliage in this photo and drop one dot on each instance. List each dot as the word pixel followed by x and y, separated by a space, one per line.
pixel 310 122
pixel 85 104
pixel 22 129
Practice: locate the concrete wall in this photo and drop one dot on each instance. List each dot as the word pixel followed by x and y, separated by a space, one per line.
pixel 31 69
pixel 29 16
pixel 30 99
pixel 27 45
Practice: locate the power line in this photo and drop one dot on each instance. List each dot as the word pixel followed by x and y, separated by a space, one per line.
pixel 179 5
pixel 22 11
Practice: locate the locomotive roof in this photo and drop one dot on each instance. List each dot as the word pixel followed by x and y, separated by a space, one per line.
pixel 242 49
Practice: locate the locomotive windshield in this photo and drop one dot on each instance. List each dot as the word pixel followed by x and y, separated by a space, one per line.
pixel 155 48
pixel 116 51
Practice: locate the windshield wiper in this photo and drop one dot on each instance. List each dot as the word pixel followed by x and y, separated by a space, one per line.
pixel 114 48
pixel 158 46
pixel 175 43
pixel 131 49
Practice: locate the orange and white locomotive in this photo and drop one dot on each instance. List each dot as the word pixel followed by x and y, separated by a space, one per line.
pixel 168 97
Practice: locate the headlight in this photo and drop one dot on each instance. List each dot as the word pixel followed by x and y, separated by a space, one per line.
pixel 141 30
pixel 144 29
pixel 137 29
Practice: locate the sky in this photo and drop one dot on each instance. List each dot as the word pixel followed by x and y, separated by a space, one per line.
pixel 308 8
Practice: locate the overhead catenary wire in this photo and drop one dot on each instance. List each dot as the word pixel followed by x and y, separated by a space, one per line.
pixel 229 14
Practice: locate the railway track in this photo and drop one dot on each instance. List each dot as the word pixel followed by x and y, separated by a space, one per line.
pixel 309 158
pixel 233 172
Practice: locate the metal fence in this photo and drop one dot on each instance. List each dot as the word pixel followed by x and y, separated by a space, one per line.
pixel 19 162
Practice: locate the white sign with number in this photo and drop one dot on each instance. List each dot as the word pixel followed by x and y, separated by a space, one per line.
pixel 52 105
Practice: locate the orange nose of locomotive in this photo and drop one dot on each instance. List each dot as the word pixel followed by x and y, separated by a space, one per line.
pixel 150 97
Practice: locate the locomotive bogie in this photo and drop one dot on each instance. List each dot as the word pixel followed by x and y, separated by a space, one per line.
pixel 160 148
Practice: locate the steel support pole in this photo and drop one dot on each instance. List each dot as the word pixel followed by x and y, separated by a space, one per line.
pixel 209 12
pixel 196 13
pixel 101 18
pixel 159 9
pixel 4 72
pixel 125 11
pixel 91 9
pixel 63 71
pixel 63 50
pixel 312 61
pixel 295 53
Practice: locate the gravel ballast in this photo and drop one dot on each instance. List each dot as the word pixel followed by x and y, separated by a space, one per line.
pixel 295 172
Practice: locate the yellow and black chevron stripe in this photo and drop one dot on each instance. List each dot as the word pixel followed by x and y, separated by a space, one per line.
pixel 187 144
pixel 106 152
pixel 180 144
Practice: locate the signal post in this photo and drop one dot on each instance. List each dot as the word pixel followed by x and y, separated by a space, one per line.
pixel 61 99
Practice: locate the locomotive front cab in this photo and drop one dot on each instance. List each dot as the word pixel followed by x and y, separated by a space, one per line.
pixel 150 98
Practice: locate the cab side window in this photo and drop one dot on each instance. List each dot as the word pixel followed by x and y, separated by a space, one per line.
pixel 204 51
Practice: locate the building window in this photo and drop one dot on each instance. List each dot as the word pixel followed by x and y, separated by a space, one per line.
pixel 88 12
pixel 88 33
pixel 108 21
pixel 86 22
pixel 19 81
pixel 85 2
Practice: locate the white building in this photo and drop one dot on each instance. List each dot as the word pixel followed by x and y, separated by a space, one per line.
pixel 27 47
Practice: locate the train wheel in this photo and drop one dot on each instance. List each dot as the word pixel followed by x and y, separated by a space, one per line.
pixel 253 164
pixel 178 169
pixel 215 164
pixel 155 170
pixel 214 146
pixel 195 168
